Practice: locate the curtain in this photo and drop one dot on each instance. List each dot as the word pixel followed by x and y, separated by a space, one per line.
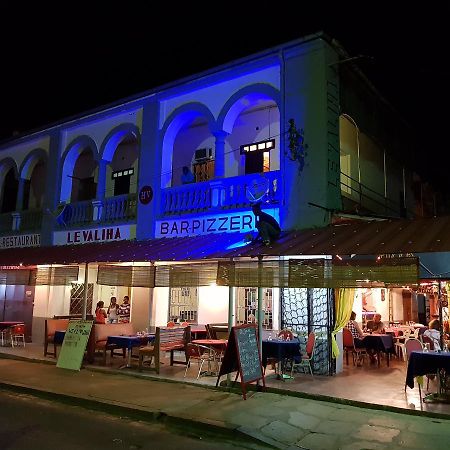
pixel 343 307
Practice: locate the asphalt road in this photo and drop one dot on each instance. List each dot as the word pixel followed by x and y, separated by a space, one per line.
pixel 32 423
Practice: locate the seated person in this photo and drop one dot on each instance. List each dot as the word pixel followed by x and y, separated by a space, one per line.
pixel 267 226
pixel 434 333
pixel 355 329
pixel 376 325
pixel 187 176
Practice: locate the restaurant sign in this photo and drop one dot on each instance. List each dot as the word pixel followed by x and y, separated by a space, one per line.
pixel 91 235
pixel 241 222
pixel 20 240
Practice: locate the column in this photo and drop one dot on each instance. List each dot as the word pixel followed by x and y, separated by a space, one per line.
pixel 19 199
pixel 101 179
pixel 219 157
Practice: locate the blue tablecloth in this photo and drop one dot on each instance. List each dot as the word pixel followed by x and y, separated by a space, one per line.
pixel 379 343
pixel 129 341
pixel 280 350
pixel 59 336
pixel 422 363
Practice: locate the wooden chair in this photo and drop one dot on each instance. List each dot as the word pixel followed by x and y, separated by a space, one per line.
pixel 358 354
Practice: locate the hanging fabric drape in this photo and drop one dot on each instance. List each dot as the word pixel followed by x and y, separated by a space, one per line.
pixel 343 308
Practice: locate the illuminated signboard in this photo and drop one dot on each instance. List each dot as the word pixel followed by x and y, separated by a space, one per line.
pixel 238 222
pixel 94 235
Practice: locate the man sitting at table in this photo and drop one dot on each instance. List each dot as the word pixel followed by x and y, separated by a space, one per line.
pixel 376 325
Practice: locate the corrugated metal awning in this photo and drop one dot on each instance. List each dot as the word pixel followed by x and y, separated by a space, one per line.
pixel 400 237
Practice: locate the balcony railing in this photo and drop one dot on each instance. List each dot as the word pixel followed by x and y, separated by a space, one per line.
pixel 223 193
pixel 6 222
pixel 121 208
pixel 30 220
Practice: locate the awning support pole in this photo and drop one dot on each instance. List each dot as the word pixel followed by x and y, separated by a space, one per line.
pixel 260 305
pixel 86 287
pixel 230 319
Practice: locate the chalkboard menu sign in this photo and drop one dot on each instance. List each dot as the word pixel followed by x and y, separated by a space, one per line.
pixel 74 344
pixel 242 356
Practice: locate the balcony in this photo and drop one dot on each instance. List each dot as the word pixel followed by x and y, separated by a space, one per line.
pixel 224 193
pixel 121 208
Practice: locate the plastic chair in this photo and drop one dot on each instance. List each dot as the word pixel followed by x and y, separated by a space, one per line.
pixel 305 362
pixel 358 354
pixel 400 349
pixel 17 334
pixel 428 340
pixel 170 324
pixel 198 352
pixel 413 345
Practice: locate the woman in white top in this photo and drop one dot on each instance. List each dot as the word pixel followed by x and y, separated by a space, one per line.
pixel 434 334
pixel 113 308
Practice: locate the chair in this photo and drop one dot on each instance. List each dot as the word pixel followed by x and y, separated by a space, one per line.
pixel 170 324
pixel 349 347
pixel 198 352
pixel 185 324
pixel 305 362
pixel 286 335
pixel 17 334
pixel 413 345
pixel 428 340
pixel 4 335
pixel 400 349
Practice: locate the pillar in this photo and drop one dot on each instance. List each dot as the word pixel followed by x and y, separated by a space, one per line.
pixel 219 157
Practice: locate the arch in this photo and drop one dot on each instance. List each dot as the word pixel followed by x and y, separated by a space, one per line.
pixel 69 158
pixel 114 137
pixel 29 163
pixel 180 117
pixel 241 100
pixel 5 165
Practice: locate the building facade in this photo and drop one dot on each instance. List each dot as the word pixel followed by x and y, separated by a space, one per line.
pixel 297 127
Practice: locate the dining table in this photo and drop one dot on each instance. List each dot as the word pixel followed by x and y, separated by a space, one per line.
pixel 128 343
pixel 10 323
pixel 426 362
pixel 281 351
pixel 379 343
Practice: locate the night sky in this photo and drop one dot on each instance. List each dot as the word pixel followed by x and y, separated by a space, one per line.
pixel 61 62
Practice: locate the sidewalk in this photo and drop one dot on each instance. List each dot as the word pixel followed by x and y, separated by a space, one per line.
pixel 278 420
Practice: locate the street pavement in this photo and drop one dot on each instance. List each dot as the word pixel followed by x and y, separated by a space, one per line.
pixel 275 420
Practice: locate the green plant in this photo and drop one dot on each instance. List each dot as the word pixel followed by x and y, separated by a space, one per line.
pixel 297 147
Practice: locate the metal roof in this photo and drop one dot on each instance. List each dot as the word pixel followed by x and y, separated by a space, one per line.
pixel 355 237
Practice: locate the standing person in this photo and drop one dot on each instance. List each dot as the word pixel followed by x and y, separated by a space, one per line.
pixel 125 310
pixel 113 311
pixel 267 226
pixel 100 313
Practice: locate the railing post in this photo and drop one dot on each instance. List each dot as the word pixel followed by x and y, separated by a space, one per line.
pixel 15 221
pixel 97 210
pixel 217 193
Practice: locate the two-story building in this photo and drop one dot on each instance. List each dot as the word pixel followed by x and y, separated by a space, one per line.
pixel 97 205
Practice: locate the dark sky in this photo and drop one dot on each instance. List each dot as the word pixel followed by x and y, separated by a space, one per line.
pixel 60 62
